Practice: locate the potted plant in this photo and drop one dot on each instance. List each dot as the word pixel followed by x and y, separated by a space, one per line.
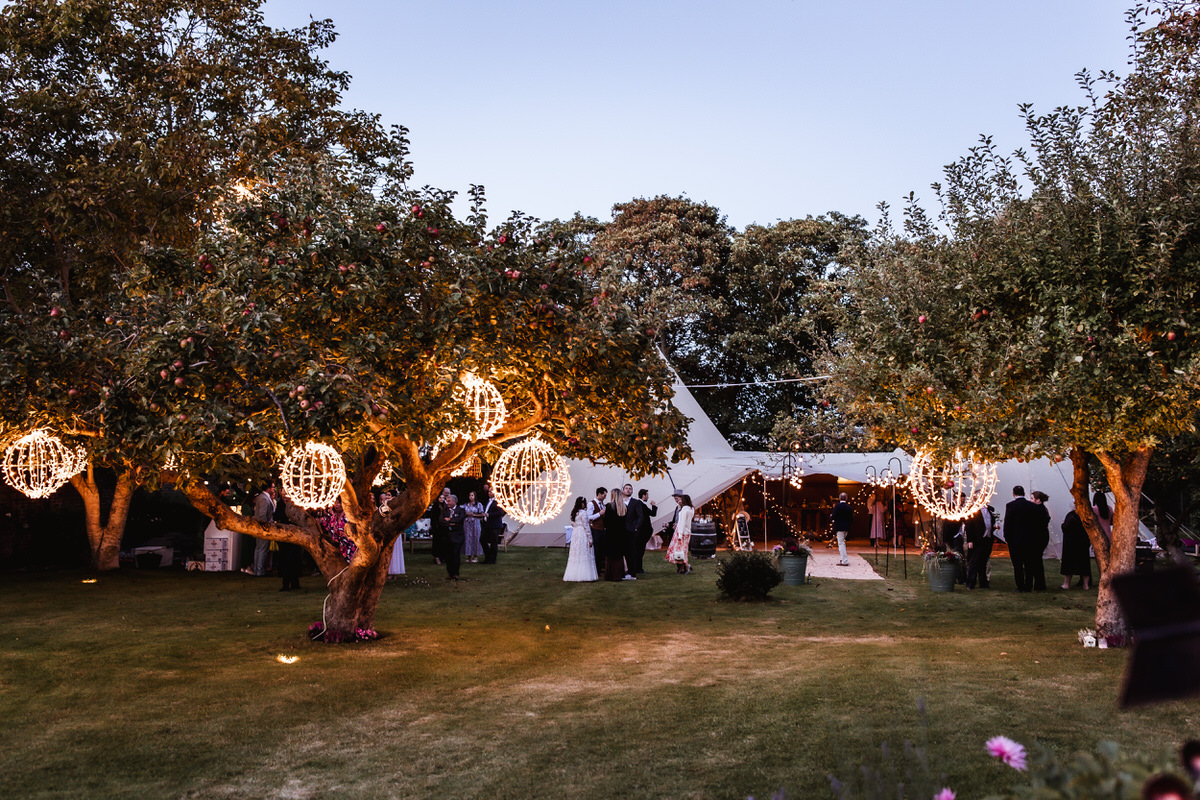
pixel 942 565
pixel 793 560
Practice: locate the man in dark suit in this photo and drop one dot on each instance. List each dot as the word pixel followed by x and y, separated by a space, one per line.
pixel 637 522
pixel 842 517
pixel 452 519
pixel 493 527
pixel 437 526
pixel 1020 517
pixel 596 519
pixel 979 548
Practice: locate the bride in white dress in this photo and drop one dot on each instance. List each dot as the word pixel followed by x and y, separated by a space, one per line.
pixel 581 562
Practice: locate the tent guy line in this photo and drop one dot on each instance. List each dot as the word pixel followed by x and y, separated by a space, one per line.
pixel 755 383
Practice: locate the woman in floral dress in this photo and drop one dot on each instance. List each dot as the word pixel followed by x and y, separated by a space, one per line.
pixel 472 549
pixel 677 550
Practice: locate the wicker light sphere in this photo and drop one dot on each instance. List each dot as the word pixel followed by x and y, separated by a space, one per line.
pixel 483 400
pixel 531 481
pixel 471 468
pixel 952 490
pixel 39 463
pixel 313 475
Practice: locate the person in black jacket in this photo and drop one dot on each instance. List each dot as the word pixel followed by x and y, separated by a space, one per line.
pixel 1021 519
pixel 637 521
pixel 1035 556
pixel 437 527
pixel 842 516
pixel 291 555
pixel 1076 560
pixel 493 526
pixel 452 518
pixel 979 548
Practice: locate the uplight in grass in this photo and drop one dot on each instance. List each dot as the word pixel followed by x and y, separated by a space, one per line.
pixel 88 580
pixel 282 659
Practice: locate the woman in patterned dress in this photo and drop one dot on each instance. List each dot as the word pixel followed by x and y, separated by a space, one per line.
pixel 677 550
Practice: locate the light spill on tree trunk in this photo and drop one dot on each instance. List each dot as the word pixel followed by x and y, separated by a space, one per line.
pixel 104 538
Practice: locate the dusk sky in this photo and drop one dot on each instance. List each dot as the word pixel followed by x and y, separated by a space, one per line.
pixel 767 109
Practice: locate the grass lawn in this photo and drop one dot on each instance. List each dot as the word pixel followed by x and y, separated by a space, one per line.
pixel 512 684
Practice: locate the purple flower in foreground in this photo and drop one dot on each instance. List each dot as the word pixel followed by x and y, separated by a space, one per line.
pixel 944 794
pixel 1008 751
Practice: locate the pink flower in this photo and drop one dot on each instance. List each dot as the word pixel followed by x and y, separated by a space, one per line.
pixel 944 794
pixel 1008 751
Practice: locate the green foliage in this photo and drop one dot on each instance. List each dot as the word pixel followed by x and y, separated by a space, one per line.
pixel 1104 773
pixel 206 260
pixel 890 773
pixel 1057 288
pixel 747 575
pixel 125 126
pixel 729 307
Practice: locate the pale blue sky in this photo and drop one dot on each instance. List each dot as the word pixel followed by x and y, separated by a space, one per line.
pixel 767 109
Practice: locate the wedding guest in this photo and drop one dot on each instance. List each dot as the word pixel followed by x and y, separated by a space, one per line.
pixel 437 526
pixel 1020 518
pixel 878 510
pixel 978 532
pixel 1039 542
pixel 333 524
pixel 596 509
pixel 1076 560
pixel 677 550
pixel 842 517
pixel 615 545
pixel 264 512
pixel 493 526
pixel 581 565
pixel 639 528
pixel 452 521
pixel 290 554
pixel 471 528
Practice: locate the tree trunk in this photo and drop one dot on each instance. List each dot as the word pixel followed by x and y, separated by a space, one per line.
pixel 104 538
pixel 1125 478
pixel 354 588
pixel 353 597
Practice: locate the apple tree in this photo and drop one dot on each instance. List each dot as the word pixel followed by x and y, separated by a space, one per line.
pixel 317 310
pixel 123 123
pixel 1051 308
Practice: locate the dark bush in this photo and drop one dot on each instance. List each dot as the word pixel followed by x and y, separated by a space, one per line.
pixel 747 575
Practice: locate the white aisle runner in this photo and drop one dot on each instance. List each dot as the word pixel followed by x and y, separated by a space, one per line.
pixel 824 564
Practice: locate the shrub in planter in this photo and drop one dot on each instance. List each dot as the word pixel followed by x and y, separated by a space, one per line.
pixel 747 575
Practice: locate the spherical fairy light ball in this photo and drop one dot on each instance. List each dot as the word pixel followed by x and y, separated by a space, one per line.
pixel 39 463
pixel 313 475
pixel 955 489
pixel 531 481
pixel 471 468
pixel 486 404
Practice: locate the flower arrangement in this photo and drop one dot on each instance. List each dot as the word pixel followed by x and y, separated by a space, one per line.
pixel 940 555
pixel 790 546
pixel 317 631
pixel 1087 637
